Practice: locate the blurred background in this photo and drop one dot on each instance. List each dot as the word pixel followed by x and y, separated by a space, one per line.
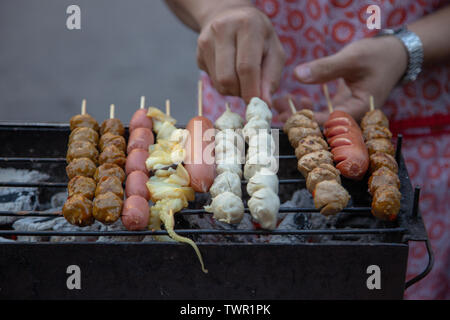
pixel 125 49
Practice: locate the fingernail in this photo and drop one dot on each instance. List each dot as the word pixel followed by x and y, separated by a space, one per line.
pixel 303 73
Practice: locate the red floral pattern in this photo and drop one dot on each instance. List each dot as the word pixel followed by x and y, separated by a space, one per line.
pixel 315 28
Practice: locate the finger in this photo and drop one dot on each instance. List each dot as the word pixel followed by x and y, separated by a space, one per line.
pixel 342 93
pixel 205 55
pixel 324 69
pixel 272 69
pixel 321 117
pixel 281 104
pixel 356 106
pixel 306 103
pixel 284 116
pixel 225 59
pixel 250 46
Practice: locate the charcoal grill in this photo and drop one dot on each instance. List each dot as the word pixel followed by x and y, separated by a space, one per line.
pixel 310 270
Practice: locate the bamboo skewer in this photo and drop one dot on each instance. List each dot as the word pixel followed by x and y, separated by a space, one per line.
pixel 292 106
pixel 83 106
pixel 112 111
pixel 327 96
pixel 372 104
pixel 142 102
pixel 168 107
pixel 200 98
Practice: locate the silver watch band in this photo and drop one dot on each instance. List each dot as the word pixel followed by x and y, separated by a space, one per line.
pixel 414 48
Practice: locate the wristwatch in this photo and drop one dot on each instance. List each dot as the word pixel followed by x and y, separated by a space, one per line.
pixel 414 48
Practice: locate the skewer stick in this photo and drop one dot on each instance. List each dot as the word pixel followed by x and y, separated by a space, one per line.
pixel 83 106
pixel 227 105
pixel 168 107
pixel 112 111
pixel 200 98
pixel 372 104
pixel 291 104
pixel 142 102
pixel 327 96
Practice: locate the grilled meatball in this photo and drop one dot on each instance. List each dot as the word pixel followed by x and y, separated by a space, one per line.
pixel 109 170
pixel 296 134
pixel 299 120
pixel 83 120
pixel 307 113
pixel 382 177
pixel 81 167
pixel 313 160
pixel 113 126
pixel 380 145
pixel 78 211
pixel 386 203
pixel 107 208
pixel 82 149
pixel 375 117
pixel 381 159
pixel 310 144
pixel 84 134
pixel 112 139
pixel 330 197
pixel 82 185
pixel 376 132
pixel 322 173
pixel 112 154
pixel 109 184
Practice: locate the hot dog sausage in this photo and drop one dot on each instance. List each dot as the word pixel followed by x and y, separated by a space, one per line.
pixel 200 154
pixel 136 185
pixel 136 161
pixel 140 138
pixel 347 145
pixel 140 120
pixel 136 212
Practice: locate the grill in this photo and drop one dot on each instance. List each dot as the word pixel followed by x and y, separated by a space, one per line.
pixel 330 262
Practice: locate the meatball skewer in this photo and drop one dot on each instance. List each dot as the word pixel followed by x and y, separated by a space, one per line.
pixel 384 183
pixel 108 202
pixel 82 156
pixel 226 192
pixel 260 167
pixel 315 162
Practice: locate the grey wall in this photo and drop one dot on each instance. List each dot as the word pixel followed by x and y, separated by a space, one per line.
pixel 125 49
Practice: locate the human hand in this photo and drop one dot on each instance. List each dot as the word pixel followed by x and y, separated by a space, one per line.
pixel 364 68
pixel 281 105
pixel 241 53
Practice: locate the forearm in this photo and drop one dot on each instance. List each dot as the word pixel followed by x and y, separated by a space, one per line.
pixel 195 13
pixel 433 32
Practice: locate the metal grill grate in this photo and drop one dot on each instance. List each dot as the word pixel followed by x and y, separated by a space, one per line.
pixel 25 146
pixel 300 182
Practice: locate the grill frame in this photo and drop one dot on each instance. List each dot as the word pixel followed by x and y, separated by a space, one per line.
pixel 409 227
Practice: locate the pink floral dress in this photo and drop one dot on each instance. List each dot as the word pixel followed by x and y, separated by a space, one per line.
pixel 310 29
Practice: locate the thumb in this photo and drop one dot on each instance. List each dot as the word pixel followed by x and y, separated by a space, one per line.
pixel 323 70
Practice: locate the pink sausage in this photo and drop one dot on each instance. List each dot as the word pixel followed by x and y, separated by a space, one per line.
pixel 136 161
pixel 136 185
pixel 140 120
pixel 334 131
pixel 347 145
pixel 140 138
pixel 136 213
pixel 201 170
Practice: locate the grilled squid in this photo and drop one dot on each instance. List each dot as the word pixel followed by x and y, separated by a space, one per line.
pixel 169 188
